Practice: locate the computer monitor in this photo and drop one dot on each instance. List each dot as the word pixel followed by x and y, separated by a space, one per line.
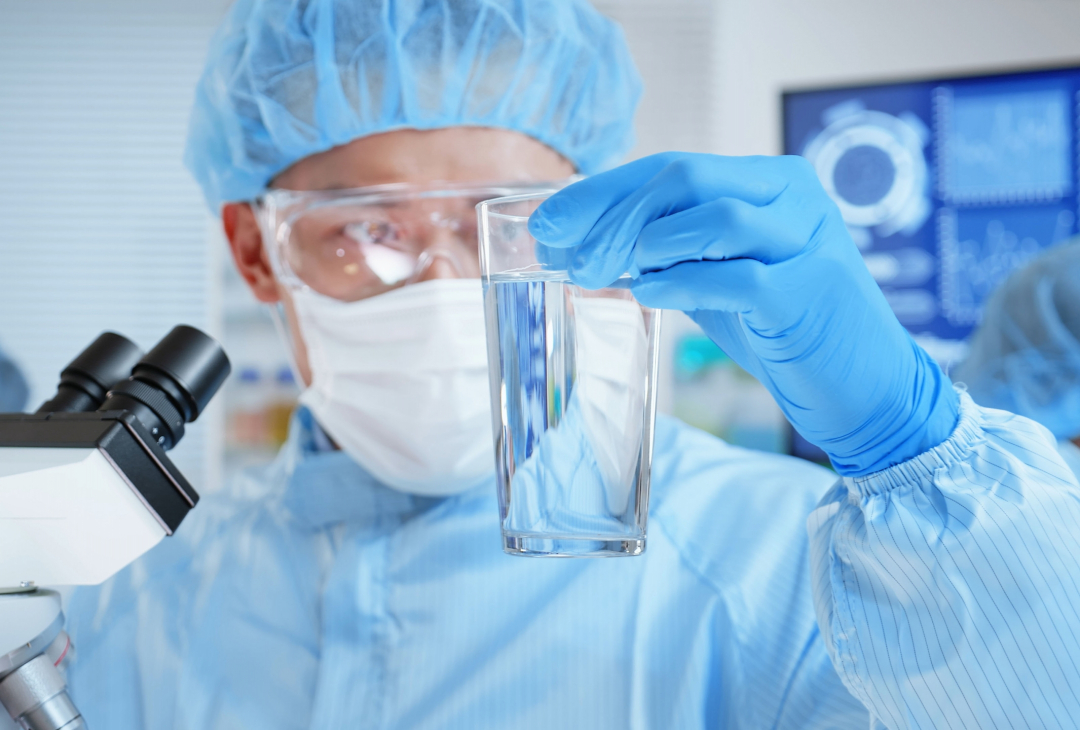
pixel 947 185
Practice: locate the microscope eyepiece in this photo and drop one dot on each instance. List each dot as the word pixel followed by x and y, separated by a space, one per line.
pixel 172 384
pixel 165 388
pixel 87 378
pixel 188 365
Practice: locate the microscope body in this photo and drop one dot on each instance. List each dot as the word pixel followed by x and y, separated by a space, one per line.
pixel 84 493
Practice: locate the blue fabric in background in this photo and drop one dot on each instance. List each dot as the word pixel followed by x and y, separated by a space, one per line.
pixel 1025 355
pixel 14 391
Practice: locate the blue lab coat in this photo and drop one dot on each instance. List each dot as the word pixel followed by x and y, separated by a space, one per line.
pixel 941 592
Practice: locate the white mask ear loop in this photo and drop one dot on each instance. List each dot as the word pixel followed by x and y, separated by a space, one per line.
pixel 277 316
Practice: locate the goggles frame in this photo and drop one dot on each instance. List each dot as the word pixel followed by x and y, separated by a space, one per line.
pixel 277 210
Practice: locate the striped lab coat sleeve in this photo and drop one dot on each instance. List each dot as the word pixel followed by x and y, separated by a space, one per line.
pixel 947 588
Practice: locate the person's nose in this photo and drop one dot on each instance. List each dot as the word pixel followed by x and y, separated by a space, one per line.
pixel 439 266
pixel 443 258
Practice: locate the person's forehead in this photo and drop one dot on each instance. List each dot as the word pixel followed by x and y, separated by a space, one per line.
pixel 456 154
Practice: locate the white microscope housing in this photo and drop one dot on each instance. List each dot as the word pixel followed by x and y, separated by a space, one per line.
pixel 85 489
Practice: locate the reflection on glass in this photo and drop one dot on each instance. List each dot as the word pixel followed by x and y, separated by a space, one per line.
pixel 572 374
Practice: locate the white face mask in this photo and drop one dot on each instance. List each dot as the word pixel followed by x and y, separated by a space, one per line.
pixel 612 352
pixel 400 382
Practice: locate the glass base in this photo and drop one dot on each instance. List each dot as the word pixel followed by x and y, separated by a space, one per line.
pixel 533 546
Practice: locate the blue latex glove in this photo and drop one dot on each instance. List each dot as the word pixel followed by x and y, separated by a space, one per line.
pixel 753 249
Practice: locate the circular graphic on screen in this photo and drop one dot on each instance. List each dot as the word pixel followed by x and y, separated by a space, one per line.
pixel 872 165
pixel 864 175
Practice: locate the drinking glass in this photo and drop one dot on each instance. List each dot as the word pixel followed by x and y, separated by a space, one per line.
pixel 573 393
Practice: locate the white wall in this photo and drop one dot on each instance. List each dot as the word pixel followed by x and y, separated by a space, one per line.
pixel 673 43
pixel 766 46
pixel 100 225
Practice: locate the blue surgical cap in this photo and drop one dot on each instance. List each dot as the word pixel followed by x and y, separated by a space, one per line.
pixel 1025 356
pixel 286 79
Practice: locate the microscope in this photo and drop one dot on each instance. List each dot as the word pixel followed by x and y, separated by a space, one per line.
pixel 85 489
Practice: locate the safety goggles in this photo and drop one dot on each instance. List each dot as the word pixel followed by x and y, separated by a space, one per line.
pixel 357 243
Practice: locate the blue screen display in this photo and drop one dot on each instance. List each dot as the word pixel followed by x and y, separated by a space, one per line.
pixel 947 185
pixel 1007 144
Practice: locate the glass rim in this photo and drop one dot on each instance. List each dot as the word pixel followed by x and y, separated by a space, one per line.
pixel 484 206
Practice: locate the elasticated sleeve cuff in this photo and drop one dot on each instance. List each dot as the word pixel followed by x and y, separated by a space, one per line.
pixel 920 469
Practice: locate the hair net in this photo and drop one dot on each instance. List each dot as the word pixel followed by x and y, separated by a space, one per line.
pixel 1025 356
pixel 288 78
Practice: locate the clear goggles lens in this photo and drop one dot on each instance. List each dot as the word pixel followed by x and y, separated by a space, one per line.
pixel 354 244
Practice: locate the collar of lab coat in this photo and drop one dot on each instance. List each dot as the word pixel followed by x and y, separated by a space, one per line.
pixel 324 486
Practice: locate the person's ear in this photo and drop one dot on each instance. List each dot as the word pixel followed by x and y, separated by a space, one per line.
pixel 246 244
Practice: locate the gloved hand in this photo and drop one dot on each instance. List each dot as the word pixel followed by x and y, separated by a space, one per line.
pixel 753 249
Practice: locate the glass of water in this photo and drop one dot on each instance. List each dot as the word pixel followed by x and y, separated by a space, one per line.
pixel 573 393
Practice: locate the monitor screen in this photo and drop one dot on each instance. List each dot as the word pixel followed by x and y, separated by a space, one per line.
pixel 947 185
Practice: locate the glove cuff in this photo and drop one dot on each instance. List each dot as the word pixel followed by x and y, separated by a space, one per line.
pixel 921 469
pixel 932 416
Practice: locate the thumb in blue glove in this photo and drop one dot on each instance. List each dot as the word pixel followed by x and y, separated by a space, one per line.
pixel 753 249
